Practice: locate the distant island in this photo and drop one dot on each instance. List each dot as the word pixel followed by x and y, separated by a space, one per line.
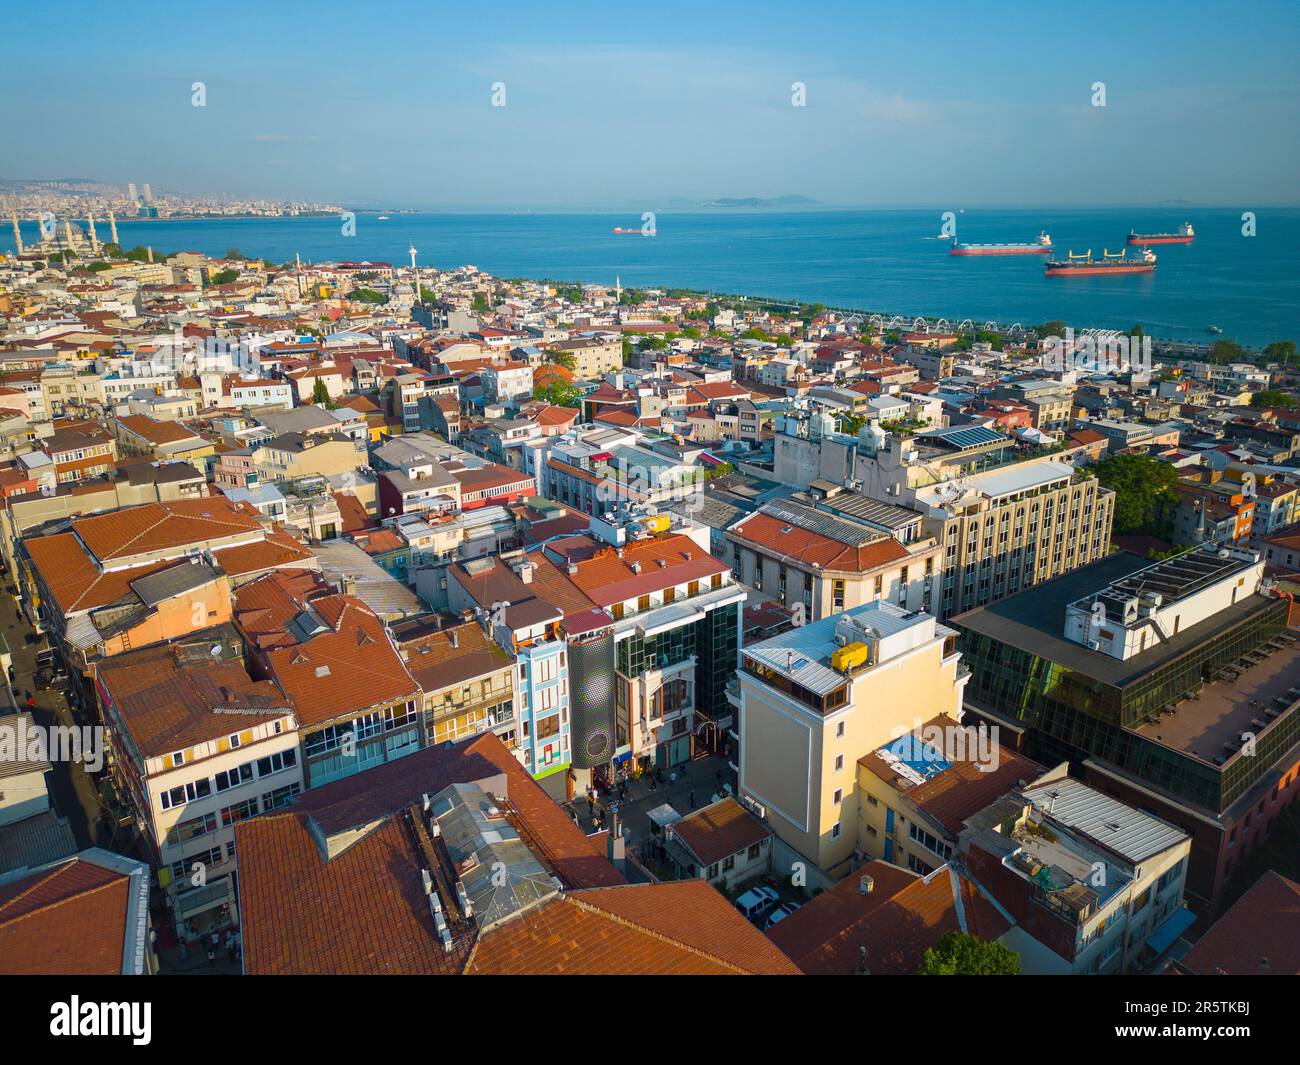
pixel 755 201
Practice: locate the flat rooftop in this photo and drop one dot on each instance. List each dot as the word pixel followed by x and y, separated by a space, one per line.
pixel 1034 621
pixel 1258 699
pixel 1174 578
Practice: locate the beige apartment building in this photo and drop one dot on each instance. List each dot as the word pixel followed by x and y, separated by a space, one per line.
pixel 826 562
pixel 1006 519
pixel 816 699
pixel 592 357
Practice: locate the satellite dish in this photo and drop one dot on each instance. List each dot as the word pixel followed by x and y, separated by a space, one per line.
pixel 216 650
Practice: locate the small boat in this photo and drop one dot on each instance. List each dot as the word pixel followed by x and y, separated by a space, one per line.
pixel 635 232
pixel 1213 329
pixel 383 218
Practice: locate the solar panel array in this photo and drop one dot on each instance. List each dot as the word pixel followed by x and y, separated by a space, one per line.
pixel 815 521
pixel 960 437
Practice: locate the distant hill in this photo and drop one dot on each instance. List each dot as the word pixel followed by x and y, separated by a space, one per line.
pixel 756 201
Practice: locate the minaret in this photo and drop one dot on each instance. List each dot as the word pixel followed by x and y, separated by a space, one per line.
pixel 94 240
pixel 112 227
pixel 18 234
pixel 411 250
pixel 151 253
pixel 298 260
pixel 67 233
pixel 618 289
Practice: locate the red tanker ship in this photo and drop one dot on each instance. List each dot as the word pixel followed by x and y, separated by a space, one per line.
pixel 1185 235
pixel 1042 246
pixel 1110 263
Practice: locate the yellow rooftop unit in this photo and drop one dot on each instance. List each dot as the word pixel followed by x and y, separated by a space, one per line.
pixel 850 656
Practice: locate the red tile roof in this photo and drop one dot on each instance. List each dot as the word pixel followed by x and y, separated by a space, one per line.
pixel 1260 933
pixel 607 579
pixel 68 920
pixel 813 548
pixel 888 930
pixel 679 928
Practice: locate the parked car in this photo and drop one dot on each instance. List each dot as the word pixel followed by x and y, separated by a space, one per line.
pixel 757 901
pixel 780 913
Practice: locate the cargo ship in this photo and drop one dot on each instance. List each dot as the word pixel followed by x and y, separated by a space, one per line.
pixel 1185 235
pixel 1042 246
pixel 1110 263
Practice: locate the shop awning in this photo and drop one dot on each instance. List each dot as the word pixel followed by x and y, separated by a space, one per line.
pixel 1174 926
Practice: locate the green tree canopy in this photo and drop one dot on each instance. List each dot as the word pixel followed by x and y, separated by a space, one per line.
pixel 223 277
pixel 562 358
pixel 559 394
pixel 959 954
pixel 1144 492
pixel 1280 351
pixel 1225 351
pixel 319 393
pixel 1269 397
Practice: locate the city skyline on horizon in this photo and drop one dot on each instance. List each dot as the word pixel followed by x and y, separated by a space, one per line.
pixel 855 109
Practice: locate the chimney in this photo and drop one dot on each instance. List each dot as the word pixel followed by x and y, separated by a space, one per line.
pixel 615 847
pixel 453 636
pixel 866 885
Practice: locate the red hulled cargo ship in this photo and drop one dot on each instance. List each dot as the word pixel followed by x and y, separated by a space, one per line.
pixel 1042 246
pixel 1185 235
pixel 1110 263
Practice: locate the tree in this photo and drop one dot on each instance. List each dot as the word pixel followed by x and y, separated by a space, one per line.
pixel 1271 397
pixel 1144 492
pixel 720 470
pixel 959 954
pixel 233 253
pixel 368 295
pixel 480 303
pixel 1226 351
pixel 559 394
pixel 223 277
pixel 562 358
pixel 1282 351
pixel 319 393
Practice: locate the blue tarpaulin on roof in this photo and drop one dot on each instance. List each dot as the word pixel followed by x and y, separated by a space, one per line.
pixel 1163 937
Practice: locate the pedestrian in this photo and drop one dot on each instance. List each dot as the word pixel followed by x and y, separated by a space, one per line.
pixel 212 954
pixel 692 798
pixel 230 945
pixel 31 703
pixel 185 949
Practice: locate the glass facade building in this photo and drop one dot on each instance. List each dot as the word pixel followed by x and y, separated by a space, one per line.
pixel 1069 713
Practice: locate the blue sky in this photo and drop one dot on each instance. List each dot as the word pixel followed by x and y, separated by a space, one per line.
pixel 614 105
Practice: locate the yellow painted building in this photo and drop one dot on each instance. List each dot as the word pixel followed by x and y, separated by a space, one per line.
pixel 805 723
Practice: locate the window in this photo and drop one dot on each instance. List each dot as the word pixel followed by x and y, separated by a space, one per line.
pixel 232 778
pixel 839 762
pixel 838 797
pixel 837 594
pixel 835 832
pixel 839 730
pixel 239 811
pixel 273 800
pixel 276 762
pixel 179 796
